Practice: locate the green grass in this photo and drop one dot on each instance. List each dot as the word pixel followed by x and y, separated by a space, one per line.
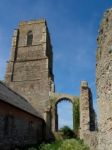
pixel 67 144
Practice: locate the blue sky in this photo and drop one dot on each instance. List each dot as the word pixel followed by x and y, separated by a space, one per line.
pixel 73 25
pixel 65 114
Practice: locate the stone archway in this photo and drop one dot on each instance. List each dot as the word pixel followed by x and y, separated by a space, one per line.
pixel 54 100
pixel 64 99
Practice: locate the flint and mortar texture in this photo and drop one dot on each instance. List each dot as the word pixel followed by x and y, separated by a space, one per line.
pixel 104 82
pixel 20 123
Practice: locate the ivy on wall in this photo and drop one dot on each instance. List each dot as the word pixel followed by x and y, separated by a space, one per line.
pixel 76 116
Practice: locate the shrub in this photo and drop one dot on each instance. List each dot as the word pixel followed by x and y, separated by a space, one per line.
pixel 67 133
pixel 67 144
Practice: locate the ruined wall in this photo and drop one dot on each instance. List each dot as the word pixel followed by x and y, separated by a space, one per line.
pixel 55 98
pixel 29 70
pixel 29 73
pixel 87 117
pixel 87 114
pixel 104 81
pixel 18 128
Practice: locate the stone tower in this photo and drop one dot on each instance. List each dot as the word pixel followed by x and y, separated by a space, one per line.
pixel 29 70
pixel 104 81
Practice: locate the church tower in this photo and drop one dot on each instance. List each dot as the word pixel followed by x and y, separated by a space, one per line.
pixel 29 70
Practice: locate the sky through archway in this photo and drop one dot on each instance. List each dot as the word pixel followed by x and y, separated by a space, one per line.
pixel 65 114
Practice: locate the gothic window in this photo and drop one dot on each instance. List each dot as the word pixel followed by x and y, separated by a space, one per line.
pixel 29 38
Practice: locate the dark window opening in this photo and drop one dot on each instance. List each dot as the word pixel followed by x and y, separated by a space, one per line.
pixel 8 125
pixel 29 38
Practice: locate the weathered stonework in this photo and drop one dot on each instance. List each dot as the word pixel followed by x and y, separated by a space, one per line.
pixel 20 123
pixel 29 70
pixel 87 117
pixel 104 82
pixel 55 98
pixel 87 114
pixel 29 73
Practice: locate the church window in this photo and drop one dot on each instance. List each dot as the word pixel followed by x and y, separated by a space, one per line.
pixel 29 38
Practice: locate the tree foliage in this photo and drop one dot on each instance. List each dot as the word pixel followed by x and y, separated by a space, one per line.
pixel 67 133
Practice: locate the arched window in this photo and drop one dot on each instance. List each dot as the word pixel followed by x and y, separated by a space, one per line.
pixel 29 38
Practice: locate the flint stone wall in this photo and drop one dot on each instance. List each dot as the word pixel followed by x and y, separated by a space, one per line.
pixel 104 82
pixel 20 124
